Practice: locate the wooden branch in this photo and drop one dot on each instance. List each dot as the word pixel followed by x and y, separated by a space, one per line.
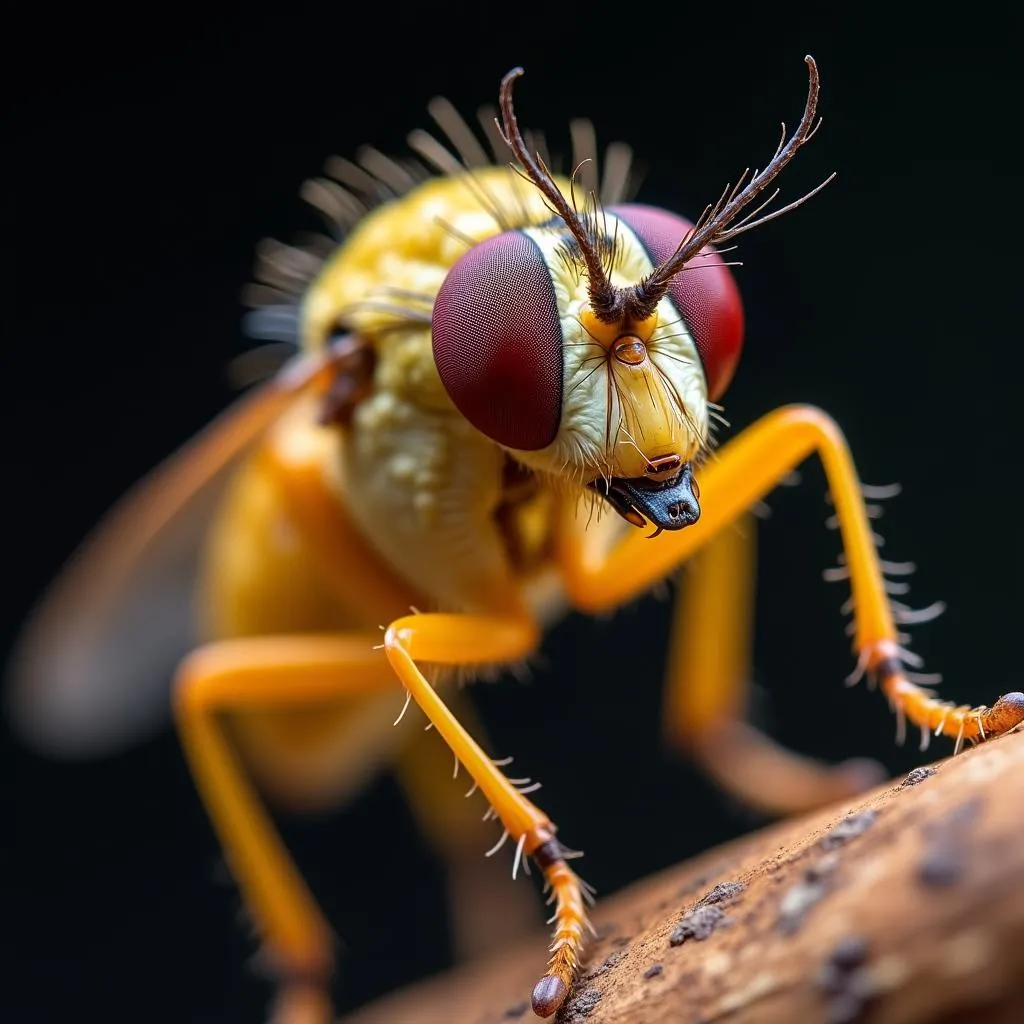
pixel 905 906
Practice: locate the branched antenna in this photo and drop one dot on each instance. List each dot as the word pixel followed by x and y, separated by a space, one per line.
pixel 607 301
pixel 611 304
pixel 712 228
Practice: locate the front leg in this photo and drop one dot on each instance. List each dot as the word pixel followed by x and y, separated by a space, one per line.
pixel 740 476
pixel 489 639
pixel 487 909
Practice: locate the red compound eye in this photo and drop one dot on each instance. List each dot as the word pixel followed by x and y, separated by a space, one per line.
pixel 705 292
pixel 498 342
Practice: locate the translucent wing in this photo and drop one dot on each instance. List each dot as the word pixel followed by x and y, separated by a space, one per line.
pixel 91 670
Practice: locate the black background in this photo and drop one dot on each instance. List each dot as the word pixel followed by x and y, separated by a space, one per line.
pixel 151 151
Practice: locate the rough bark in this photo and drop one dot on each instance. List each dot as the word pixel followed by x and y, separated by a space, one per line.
pixel 904 906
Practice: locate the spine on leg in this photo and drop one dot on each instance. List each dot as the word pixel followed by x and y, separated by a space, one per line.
pixel 934 716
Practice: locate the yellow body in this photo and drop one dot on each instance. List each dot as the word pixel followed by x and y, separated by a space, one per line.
pixel 349 564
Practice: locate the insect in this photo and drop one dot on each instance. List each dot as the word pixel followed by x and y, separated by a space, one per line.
pixel 503 408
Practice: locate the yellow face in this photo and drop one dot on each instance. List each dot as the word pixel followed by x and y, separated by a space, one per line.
pixel 634 396
pixel 619 405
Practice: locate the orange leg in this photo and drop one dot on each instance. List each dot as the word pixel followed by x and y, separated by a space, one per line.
pixel 489 639
pixel 487 908
pixel 250 674
pixel 740 476
pixel 709 667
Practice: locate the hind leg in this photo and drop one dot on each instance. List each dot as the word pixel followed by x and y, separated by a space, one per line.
pixel 234 677
pixel 708 680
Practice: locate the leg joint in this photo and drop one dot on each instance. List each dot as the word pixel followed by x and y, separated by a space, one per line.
pixel 813 417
